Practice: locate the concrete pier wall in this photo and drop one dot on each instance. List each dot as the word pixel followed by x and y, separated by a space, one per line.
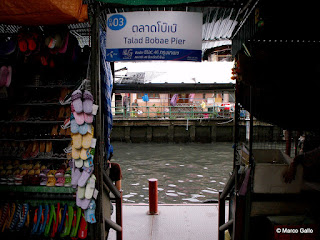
pixel 205 131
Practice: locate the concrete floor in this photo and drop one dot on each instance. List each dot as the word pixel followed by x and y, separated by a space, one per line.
pixel 174 222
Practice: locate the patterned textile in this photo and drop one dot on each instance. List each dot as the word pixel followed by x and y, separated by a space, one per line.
pixel 107 84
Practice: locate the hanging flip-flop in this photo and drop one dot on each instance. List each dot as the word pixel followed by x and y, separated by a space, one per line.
pixel 7 218
pixel 75 226
pixel 9 76
pixel 83 154
pixel 75 175
pixel 65 225
pixel 42 220
pixel 23 216
pixel 67 228
pixel 75 153
pixel 83 229
pixel 87 102
pixel 76 140
pixel 16 217
pixel 86 173
pixel 45 219
pixel 83 129
pixel 90 212
pixel 36 219
pixel 70 210
pixel 55 222
pixel 63 218
pixel 5 212
pixel 48 225
pixel 74 222
pixel 22 42
pixel 88 118
pixel 76 101
pixel 10 216
pixel 87 138
pixel 90 187
pixel 78 163
pixel 73 124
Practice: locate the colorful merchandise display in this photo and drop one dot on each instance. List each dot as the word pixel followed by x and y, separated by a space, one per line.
pixel 47 220
pixel 47 139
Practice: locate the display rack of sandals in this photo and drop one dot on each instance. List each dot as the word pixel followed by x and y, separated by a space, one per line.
pixel 46 135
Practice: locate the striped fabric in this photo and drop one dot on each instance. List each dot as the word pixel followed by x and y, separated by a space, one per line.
pixel 107 84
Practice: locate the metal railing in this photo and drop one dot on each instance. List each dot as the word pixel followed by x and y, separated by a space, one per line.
pixel 222 225
pixel 180 111
pixel 117 226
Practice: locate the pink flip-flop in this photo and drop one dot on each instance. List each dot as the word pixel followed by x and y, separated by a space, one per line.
pixel 79 117
pixel 88 118
pixel 8 81
pixel 3 75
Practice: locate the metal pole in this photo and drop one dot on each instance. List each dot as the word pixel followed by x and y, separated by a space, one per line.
pixel 119 216
pixel 153 196
pixel 288 136
pixel 222 214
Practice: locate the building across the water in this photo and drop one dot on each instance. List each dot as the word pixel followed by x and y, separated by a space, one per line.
pixel 186 101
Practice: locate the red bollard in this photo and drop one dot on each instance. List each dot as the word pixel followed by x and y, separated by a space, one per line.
pixel 153 196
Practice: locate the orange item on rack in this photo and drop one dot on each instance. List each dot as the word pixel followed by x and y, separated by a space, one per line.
pixel 45 12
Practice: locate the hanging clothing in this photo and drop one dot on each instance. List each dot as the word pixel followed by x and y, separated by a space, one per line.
pixel 145 97
pixel 107 84
pixel 191 97
pixel 174 100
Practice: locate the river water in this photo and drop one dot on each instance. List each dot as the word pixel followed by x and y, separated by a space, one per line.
pixel 186 172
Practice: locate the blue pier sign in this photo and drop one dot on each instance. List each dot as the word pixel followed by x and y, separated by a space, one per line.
pixel 161 35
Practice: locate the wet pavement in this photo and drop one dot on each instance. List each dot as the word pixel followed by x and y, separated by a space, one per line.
pixel 184 221
pixel 186 172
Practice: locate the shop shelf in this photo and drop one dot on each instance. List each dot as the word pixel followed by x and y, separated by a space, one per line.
pixel 37 189
pixel 37 158
pixel 51 86
pixel 36 139
pixel 43 104
pixel 33 122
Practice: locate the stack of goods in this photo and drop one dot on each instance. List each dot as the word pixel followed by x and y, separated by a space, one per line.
pixel 46 220
pixel 15 172
pixel 83 145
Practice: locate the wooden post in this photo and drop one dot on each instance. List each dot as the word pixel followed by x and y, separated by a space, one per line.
pixel 97 230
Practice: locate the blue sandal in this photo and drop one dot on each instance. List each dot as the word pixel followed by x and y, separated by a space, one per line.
pixel 63 217
pixel 45 217
pixel 36 219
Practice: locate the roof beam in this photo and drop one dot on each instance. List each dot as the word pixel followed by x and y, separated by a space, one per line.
pixel 204 4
